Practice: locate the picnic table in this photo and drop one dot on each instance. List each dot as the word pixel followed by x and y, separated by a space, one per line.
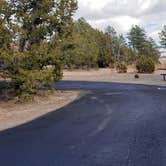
pixel 164 74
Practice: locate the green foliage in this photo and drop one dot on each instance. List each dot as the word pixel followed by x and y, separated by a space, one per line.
pixel 32 46
pixel 105 57
pixel 145 65
pixel 143 45
pixel 30 71
pixel 42 19
pixel 121 67
pixel 83 52
pixel 84 55
pixel 5 33
pixel 163 37
pixel 137 38
pixel 114 41
pixel 127 55
pixel 89 48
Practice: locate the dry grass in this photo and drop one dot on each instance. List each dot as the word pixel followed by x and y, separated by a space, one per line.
pixel 111 75
pixel 13 114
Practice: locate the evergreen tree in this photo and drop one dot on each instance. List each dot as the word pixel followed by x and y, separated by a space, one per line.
pixel 40 29
pixel 163 37
pixel 85 46
pixel 5 33
pixel 137 38
pixel 143 45
pixel 114 43
pixel 105 58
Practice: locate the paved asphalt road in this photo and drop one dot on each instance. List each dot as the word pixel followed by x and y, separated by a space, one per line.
pixel 114 125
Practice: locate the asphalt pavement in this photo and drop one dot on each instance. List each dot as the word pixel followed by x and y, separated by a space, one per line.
pixel 112 125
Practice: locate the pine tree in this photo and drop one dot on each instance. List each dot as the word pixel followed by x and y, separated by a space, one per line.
pixel 163 37
pixel 137 38
pixel 143 45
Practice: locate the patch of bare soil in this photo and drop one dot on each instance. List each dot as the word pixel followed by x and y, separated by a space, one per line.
pixel 111 75
pixel 13 114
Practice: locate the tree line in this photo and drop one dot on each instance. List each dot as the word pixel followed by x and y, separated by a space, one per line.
pixel 95 48
pixel 38 38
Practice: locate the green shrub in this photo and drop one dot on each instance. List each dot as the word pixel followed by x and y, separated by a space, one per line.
pixel 30 71
pixel 121 67
pixel 145 65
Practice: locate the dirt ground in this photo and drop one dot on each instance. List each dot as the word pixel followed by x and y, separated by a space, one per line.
pixel 111 75
pixel 12 114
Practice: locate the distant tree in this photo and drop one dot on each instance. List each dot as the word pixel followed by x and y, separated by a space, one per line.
pixel 82 26
pixel 114 44
pixel 143 45
pixel 105 58
pixel 163 37
pixel 137 38
pixel 85 53
pixel 127 55
pixel 111 31
pixel 151 50
pixel 122 41
pixel 117 42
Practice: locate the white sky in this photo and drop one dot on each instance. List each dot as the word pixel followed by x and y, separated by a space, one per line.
pixel 122 14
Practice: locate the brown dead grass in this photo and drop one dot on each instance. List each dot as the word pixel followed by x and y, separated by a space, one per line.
pixel 111 75
pixel 13 114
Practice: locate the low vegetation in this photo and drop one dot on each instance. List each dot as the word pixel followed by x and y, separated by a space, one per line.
pixel 145 65
pixel 121 67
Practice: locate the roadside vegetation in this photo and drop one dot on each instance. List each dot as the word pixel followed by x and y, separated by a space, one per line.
pixel 145 65
pixel 121 67
pixel 40 38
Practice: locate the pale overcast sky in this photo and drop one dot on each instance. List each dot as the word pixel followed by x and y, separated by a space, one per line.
pixel 122 14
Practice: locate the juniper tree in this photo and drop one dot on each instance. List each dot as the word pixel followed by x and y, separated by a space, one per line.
pixel 38 27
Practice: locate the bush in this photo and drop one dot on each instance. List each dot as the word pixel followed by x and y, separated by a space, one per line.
pixel 121 67
pixel 30 71
pixel 145 65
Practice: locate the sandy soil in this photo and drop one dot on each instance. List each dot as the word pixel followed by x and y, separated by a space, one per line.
pixel 13 114
pixel 111 75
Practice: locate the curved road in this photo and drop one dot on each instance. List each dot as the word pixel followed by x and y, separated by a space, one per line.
pixel 114 125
